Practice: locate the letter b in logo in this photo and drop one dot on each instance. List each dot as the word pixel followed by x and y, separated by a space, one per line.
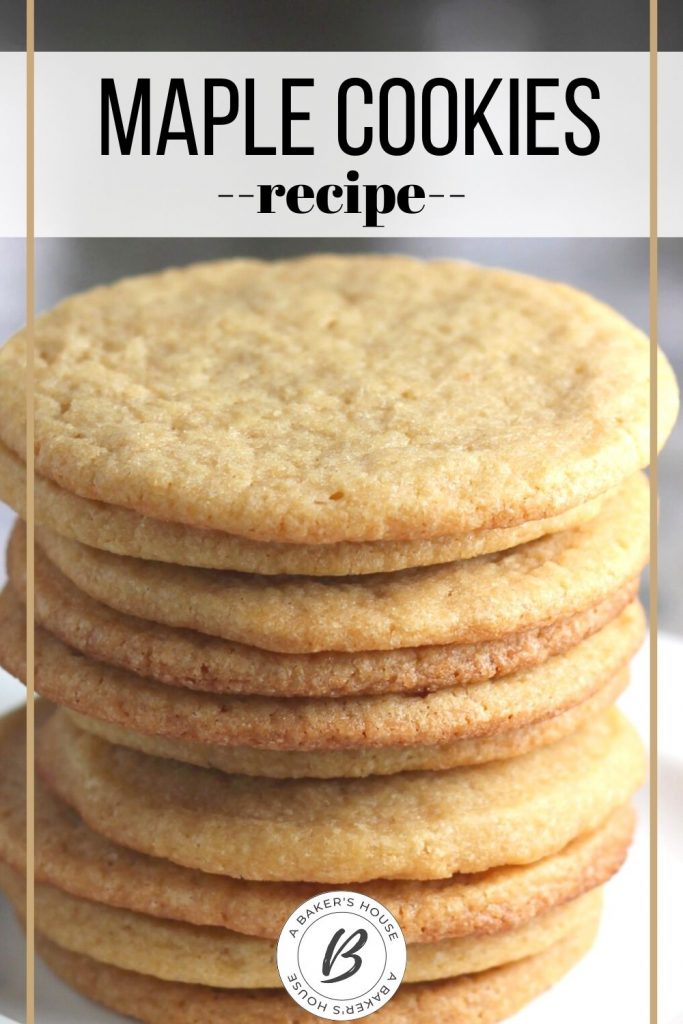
pixel 341 955
pixel 346 949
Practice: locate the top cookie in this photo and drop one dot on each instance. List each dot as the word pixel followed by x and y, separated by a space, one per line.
pixel 333 399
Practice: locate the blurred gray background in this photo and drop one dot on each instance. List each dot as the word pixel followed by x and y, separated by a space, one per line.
pixel 341 24
pixel 615 270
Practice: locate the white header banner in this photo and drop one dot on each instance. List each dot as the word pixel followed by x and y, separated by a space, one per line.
pixel 340 144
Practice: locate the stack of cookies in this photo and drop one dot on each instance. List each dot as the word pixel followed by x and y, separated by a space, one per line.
pixel 335 583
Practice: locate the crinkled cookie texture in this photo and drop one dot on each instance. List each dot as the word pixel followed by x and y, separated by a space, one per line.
pixel 480 711
pixel 336 398
pixel 482 998
pixel 417 825
pixel 198 662
pixel 475 600
pixel 71 857
pixel 214 956
pixel 124 532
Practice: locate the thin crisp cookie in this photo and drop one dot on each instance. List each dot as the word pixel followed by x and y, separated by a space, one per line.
pixel 360 762
pixel 417 825
pixel 483 998
pixel 475 600
pixel 331 398
pixel 199 662
pixel 446 716
pixel 71 856
pixel 224 959
pixel 124 532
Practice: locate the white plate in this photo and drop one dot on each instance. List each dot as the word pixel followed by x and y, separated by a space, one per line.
pixel 611 983
pixel 670 848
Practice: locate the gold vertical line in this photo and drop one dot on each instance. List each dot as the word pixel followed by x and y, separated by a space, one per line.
pixel 654 528
pixel 30 514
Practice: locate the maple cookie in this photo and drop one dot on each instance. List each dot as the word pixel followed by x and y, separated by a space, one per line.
pixel 490 713
pixel 417 825
pixel 176 951
pixel 482 998
pixel 475 600
pixel 336 398
pixel 199 662
pixel 359 762
pixel 72 857
pixel 125 532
